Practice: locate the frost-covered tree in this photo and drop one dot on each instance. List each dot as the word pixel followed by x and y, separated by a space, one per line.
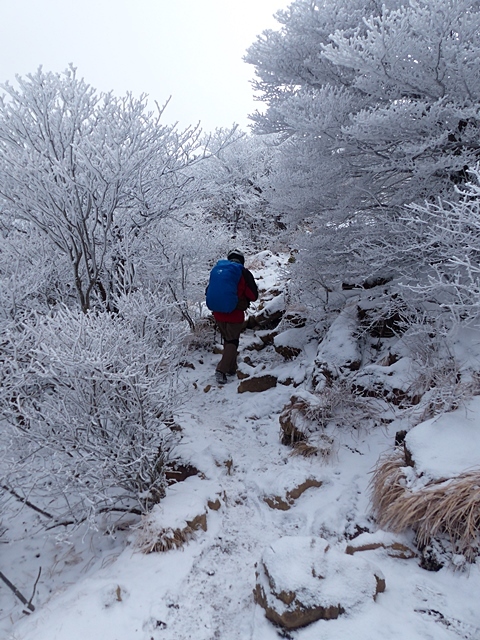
pixel 378 106
pixel 233 185
pixel 86 168
pixel 420 68
pixel 85 399
pixel 173 257
pixel 33 275
pixel 448 236
pixel 92 300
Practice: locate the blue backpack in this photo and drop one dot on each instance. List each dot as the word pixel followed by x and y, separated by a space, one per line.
pixel 223 286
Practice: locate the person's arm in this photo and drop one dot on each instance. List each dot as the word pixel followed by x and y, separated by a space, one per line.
pixel 251 289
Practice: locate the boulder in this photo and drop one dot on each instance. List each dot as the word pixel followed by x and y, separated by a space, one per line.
pixel 287 352
pixel 339 352
pixel 289 344
pixel 300 580
pixel 392 382
pixel 269 317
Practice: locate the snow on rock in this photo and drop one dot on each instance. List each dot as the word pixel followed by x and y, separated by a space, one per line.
pixel 339 350
pixel 289 343
pixel 284 500
pixel 447 445
pixel 182 512
pixel 394 545
pixel 272 312
pixel 302 579
pixel 393 382
pixel 257 384
pixel 290 374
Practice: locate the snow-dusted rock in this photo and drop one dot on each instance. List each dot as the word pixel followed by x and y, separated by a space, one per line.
pixel 393 382
pixel 389 542
pixel 272 312
pixel 339 351
pixel 174 521
pixel 289 343
pixel 447 445
pixel 302 579
pixel 257 384
pixel 284 503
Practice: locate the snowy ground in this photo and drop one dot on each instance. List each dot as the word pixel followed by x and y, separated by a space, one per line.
pixel 103 588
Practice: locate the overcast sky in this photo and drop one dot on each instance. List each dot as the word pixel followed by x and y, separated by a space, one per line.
pixel 189 49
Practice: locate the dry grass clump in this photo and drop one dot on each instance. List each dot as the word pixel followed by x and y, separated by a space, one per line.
pixel 322 448
pixel 304 449
pixel 298 425
pixel 203 333
pixel 449 507
pixel 294 422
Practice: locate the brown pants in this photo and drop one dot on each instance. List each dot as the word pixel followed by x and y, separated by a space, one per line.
pixel 231 334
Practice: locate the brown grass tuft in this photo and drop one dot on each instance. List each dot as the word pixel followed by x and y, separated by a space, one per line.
pixel 450 507
pixel 292 414
pixel 164 540
pixel 322 448
pixel 304 449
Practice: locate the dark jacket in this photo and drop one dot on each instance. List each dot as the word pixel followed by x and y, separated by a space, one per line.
pixel 247 292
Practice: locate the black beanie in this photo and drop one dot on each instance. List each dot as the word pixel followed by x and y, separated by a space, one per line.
pixel 235 255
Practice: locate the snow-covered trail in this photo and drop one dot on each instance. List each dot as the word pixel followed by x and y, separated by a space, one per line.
pixel 244 456
pixel 204 591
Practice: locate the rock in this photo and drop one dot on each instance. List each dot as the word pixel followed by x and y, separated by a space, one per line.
pixel 271 314
pixel 255 345
pixel 154 538
pixel 301 580
pixel 255 385
pixel 199 522
pixel 287 382
pixel 392 382
pixel 394 549
pixel 177 471
pixel 290 343
pixel 276 502
pixel 299 490
pixel 295 319
pixel 289 353
pixel 339 352
pixel 267 337
pixel 266 320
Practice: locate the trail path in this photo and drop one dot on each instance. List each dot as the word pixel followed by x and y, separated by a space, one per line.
pixel 205 590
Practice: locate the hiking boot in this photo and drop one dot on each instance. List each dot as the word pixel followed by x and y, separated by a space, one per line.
pixel 220 377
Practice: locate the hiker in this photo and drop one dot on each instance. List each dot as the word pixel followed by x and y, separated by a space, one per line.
pixel 230 290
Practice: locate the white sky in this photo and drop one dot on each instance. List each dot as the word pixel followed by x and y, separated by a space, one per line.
pixel 189 49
